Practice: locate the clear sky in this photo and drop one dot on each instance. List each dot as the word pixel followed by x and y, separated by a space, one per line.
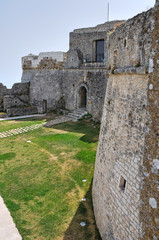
pixel 34 26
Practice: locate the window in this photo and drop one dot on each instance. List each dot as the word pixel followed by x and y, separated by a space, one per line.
pixel 125 43
pixel 99 50
pixel 122 184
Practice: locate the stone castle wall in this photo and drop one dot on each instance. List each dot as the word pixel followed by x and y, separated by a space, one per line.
pixel 56 84
pixel 3 92
pixel 149 212
pixel 129 45
pixel 34 61
pixel 31 64
pixel 126 184
pixel 63 91
pixel 119 157
pixel 84 39
pixel 18 96
pixel 17 100
pixel 125 187
pixel 46 88
pixel 94 80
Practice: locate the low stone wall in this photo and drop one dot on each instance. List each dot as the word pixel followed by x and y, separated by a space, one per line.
pixel 21 111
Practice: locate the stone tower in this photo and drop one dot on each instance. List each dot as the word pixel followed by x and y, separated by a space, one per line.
pixel 126 182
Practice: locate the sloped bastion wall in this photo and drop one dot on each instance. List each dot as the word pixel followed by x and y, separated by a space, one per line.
pixel 126 183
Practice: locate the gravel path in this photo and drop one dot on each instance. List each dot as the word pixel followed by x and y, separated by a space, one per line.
pixel 17 131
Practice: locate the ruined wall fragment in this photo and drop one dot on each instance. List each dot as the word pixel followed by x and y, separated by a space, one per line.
pixel 3 92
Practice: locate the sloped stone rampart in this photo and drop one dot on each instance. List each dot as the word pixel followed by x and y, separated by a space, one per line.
pixel 119 157
pixel 125 186
pixel 149 213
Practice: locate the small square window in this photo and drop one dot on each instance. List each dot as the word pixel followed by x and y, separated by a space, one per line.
pixel 122 184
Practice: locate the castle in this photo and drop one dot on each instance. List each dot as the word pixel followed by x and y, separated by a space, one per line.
pixel 110 70
pixel 126 180
pixel 57 80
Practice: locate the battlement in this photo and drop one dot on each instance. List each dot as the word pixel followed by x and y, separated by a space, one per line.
pixel 47 60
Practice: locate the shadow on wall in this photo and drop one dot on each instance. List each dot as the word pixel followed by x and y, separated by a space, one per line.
pixel 85 214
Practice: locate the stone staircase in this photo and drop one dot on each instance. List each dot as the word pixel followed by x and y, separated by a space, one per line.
pixel 77 114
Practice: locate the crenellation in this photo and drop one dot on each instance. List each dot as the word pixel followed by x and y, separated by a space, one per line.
pixel 111 71
pixel 42 60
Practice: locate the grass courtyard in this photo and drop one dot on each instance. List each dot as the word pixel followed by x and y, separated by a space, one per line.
pixel 41 181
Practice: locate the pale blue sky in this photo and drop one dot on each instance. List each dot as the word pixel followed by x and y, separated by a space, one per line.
pixel 33 26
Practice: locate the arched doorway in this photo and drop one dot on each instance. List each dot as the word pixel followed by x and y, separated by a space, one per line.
pixel 82 96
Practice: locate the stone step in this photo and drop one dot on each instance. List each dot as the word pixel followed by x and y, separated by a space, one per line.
pixel 80 110
pixel 77 113
pixel 74 114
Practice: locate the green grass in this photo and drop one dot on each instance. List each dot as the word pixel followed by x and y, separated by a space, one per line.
pixel 13 124
pixel 41 181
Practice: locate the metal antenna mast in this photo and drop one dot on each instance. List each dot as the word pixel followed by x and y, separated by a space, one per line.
pixel 108 13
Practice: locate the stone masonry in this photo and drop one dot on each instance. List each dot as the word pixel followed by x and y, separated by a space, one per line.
pixel 126 183
pixel 16 101
pixel 66 81
pixel 31 64
pixel 111 71
pixel 3 92
pixel 72 80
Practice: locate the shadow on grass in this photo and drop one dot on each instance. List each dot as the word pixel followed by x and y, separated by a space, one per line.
pixel 85 214
pixel 89 128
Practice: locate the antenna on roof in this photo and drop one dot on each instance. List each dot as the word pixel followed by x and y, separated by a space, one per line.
pixel 108 13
